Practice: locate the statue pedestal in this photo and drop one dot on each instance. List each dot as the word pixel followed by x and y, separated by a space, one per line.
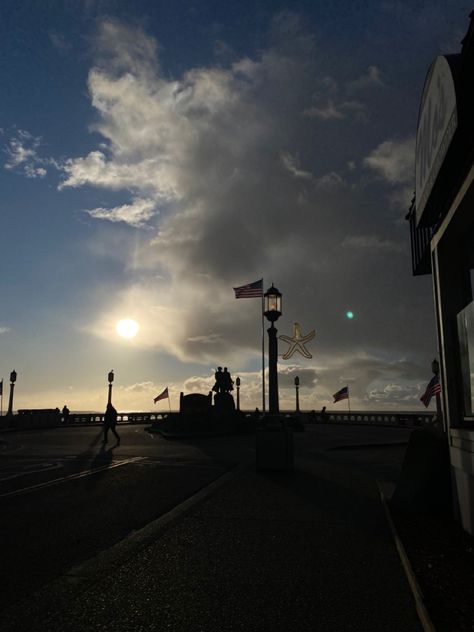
pixel 223 403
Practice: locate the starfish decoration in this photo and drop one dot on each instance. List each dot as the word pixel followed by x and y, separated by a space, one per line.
pixel 297 342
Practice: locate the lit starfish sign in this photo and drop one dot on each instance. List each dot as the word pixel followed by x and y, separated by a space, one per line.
pixel 297 342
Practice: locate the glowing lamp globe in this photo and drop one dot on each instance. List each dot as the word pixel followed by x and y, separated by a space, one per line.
pixel 272 304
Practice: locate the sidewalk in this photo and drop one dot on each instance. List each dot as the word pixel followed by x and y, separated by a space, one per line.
pixel 307 551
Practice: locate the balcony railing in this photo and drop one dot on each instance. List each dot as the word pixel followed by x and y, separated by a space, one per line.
pixel 37 419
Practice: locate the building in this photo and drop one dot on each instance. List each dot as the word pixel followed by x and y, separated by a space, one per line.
pixel 442 239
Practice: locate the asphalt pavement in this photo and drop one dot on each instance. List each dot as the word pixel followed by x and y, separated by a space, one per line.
pixel 303 550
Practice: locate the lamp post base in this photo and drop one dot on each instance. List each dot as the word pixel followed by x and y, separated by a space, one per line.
pixel 274 449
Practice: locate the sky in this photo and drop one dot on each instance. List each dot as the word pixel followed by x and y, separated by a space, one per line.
pixel 154 155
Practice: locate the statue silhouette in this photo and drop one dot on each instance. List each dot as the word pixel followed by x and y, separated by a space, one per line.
pixel 227 381
pixel 218 386
pixel 224 382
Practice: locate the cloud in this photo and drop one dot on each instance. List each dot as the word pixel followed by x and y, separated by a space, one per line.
pixel 59 41
pixel 329 180
pixel 135 214
pixel 4 330
pixel 327 110
pixel 199 384
pixel 141 387
pixel 371 78
pixel 286 376
pixel 372 380
pixel 374 383
pixel 210 151
pixel 21 151
pixel 291 164
pixel 394 161
pixel 395 394
pixel 332 100
pixel 372 242
pixel 208 340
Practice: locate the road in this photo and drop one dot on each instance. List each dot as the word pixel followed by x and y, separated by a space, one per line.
pixel 64 497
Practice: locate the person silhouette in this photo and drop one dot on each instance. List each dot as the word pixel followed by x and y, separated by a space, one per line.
pixel 65 412
pixel 110 423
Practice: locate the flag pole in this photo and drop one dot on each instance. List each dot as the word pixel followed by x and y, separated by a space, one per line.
pixel 263 355
pixel 169 402
pixel 348 400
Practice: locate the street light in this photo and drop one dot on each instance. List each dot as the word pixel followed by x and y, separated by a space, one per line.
pixel 272 313
pixel 12 387
pixel 272 304
pixel 237 383
pixel 297 388
pixel 110 377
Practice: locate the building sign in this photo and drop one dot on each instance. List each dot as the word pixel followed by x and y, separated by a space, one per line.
pixel 437 123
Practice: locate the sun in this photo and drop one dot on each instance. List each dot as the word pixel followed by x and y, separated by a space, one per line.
pixel 127 328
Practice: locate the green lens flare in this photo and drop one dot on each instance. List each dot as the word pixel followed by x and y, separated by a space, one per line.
pixel 350 315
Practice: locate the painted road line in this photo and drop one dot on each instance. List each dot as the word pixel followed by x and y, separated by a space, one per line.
pixel 71 477
pixel 417 593
pixel 55 596
pixel 36 469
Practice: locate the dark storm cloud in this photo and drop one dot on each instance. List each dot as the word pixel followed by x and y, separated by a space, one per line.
pixel 268 168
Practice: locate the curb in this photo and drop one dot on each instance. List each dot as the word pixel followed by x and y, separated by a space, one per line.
pixel 417 593
pixel 368 446
pixel 118 554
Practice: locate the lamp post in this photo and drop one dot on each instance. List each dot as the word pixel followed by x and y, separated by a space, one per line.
pixel 237 383
pixel 110 377
pixel 12 388
pixel 439 414
pixel 297 388
pixel 272 313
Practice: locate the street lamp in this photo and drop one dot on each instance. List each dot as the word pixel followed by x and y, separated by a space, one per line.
pixel 237 383
pixel 297 388
pixel 110 377
pixel 12 387
pixel 272 313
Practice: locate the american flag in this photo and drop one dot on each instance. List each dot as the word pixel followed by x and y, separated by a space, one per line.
pixel 433 388
pixel 342 394
pixel 163 395
pixel 251 290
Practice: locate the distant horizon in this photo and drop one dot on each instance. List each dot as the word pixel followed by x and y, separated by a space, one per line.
pixel 329 410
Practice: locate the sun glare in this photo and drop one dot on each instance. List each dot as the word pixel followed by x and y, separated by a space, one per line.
pixel 127 328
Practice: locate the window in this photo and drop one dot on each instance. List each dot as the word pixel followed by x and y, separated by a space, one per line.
pixel 465 323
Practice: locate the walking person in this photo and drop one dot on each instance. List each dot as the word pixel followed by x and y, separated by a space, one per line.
pixel 110 423
pixel 65 414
